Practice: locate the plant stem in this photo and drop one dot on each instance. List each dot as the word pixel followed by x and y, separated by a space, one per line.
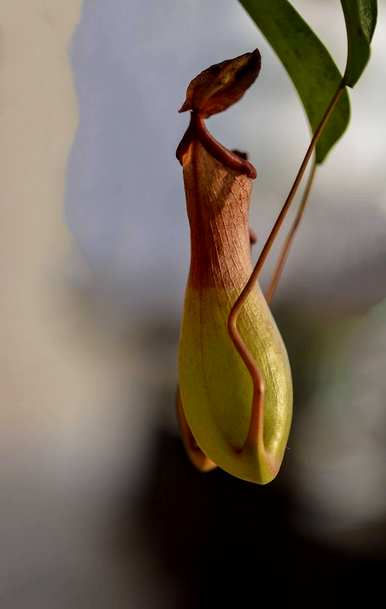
pixel 256 431
pixel 279 221
pixel 290 237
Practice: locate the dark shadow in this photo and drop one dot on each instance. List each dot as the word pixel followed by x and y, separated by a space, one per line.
pixel 226 543
pixel 223 542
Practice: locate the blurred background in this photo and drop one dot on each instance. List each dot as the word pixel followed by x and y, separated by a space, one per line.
pixel 99 505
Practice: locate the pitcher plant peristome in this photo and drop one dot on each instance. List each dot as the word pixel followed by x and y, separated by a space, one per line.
pixel 235 389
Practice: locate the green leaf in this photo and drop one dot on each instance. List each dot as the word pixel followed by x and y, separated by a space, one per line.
pixel 361 18
pixel 308 63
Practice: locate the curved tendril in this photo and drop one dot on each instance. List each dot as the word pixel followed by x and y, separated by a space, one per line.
pixel 256 427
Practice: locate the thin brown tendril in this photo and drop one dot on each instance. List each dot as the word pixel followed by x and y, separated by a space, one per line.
pixel 255 432
pixel 290 237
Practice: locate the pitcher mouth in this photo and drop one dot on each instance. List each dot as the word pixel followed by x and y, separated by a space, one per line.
pixel 231 159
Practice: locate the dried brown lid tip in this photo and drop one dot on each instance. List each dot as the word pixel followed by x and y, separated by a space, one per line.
pixel 222 85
